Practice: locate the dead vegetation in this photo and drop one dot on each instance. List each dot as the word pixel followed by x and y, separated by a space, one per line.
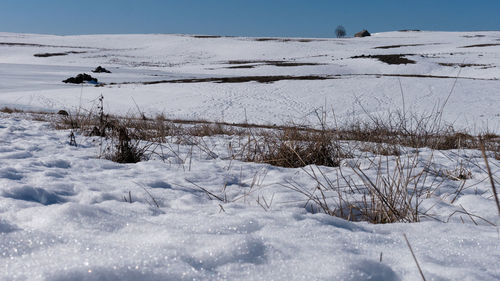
pixel 10 110
pixel 294 148
pixel 287 146
pixel 391 195
pixel 394 193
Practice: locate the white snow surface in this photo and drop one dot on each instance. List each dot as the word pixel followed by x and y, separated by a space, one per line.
pixel 64 215
pixel 362 85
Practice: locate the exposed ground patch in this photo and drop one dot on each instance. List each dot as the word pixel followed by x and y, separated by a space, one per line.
pixel 429 76
pixel 16 44
pixel 400 46
pixel 389 59
pixel 45 55
pixel 271 79
pixel 481 45
pixel 466 65
pixel 206 36
pixel 303 40
pixel 22 44
pixel 239 79
pixel 243 79
pixel 253 63
pixel 243 66
pixel 474 36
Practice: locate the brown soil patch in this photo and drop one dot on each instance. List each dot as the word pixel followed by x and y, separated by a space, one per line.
pixel 432 76
pixel 237 79
pixel 243 79
pixel 16 44
pixel 243 66
pixel 389 59
pixel 206 36
pixel 269 62
pixel 481 45
pixel 400 46
pixel 45 55
pixel 465 65
pixel 287 40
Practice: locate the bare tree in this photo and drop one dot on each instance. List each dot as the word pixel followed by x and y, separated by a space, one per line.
pixel 340 31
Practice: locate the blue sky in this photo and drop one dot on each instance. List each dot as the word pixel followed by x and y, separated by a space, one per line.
pixel 307 18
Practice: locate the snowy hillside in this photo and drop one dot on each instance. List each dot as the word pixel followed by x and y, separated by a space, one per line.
pixel 197 209
pixel 352 86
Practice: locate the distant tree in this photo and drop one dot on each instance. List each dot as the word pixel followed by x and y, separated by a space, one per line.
pixel 340 31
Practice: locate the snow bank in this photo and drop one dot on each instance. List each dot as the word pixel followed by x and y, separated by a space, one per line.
pixel 64 215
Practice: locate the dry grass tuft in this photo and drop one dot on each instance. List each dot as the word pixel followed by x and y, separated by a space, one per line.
pixel 393 194
pixel 292 148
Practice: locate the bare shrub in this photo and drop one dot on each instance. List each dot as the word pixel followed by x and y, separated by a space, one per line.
pixel 411 130
pixel 126 151
pixel 380 148
pixel 292 148
pixel 394 194
pixel 212 129
pixel 9 110
pixel 287 146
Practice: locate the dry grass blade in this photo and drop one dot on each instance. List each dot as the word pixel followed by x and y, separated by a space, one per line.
pixel 210 194
pixel 490 175
pixel 414 257
pixel 381 196
pixel 152 198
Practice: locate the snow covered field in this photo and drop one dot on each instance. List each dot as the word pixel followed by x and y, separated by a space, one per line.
pixel 356 85
pixel 65 214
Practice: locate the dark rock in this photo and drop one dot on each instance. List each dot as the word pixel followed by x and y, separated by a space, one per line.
pixel 63 112
pixel 100 69
pixel 362 33
pixel 80 78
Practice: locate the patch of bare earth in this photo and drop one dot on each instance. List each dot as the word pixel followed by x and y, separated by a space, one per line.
pixel 481 45
pixel 45 55
pixel 279 63
pixel 389 59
